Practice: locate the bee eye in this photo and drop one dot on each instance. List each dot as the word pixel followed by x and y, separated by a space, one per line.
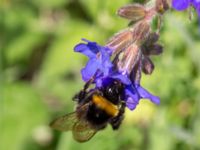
pixel 110 91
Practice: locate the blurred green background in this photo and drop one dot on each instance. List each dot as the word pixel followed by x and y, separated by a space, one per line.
pixel 40 73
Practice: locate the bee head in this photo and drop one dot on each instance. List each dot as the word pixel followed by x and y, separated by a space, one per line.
pixel 112 90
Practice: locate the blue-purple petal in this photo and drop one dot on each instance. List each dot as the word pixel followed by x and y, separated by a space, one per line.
pixel 145 94
pixel 123 78
pixel 89 70
pixel 84 49
pixel 105 67
pixel 180 4
pixel 98 82
pixel 131 104
pixel 131 92
pixel 106 53
pixel 99 60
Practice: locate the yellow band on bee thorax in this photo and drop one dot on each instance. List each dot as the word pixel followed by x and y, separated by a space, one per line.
pixel 105 105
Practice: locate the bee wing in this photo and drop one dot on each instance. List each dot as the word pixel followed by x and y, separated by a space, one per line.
pixel 82 131
pixel 64 123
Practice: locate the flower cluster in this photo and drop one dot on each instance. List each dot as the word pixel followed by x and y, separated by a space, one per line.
pixel 130 50
pixel 101 68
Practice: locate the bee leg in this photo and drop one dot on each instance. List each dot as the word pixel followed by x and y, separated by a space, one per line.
pixel 79 96
pixel 82 94
pixel 116 121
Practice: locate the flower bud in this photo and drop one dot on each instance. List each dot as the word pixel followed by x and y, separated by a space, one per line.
pixel 162 6
pixel 129 59
pixel 147 65
pixel 141 31
pixel 134 12
pixel 120 41
pixel 152 38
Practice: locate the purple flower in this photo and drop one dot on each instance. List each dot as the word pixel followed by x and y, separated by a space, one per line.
pixel 134 92
pixel 102 70
pixel 181 5
pixel 99 62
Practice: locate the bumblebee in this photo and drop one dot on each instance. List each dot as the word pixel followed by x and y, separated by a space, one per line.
pixel 96 108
